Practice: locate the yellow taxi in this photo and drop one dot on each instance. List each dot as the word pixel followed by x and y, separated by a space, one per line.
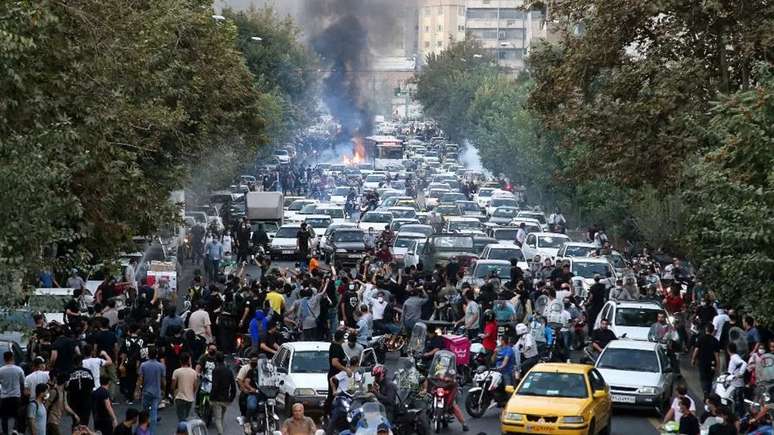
pixel 560 399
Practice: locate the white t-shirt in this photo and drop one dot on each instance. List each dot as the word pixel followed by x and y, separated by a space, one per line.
pixel 33 379
pixel 93 365
pixel 378 309
pixel 736 368
pixel 471 312
pixel 198 320
pixel 718 321
pixel 676 408
pixel 344 381
pixel 527 346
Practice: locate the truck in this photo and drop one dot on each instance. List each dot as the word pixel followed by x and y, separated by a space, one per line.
pixel 265 208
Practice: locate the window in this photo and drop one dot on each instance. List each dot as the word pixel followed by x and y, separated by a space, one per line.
pixel 461 10
pixel 440 27
pixel 427 44
pixel 484 34
pixel 513 14
pixel 596 381
pixel 482 14
pixel 460 28
pixel 439 44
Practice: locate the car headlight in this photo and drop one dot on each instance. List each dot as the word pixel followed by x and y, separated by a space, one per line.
pixel 513 416
pixel 573 419
pixel 304 392
pixel 647 390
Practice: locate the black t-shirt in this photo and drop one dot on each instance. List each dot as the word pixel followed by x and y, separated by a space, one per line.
pixel 602 336
pixel 65 348
pixel 337 352
pixel 272 339
pixel 487 296
pixel 435 342
pixel 105 340
pixel 350 305
pixel 122 429
pixel 707 345
pixel 207 363
pixel 706 313
pixel 80 386
pixel 689 425
pixel 598 295
pixel 722 429
pixel 72 305
pixel 98 401
pixel 303 240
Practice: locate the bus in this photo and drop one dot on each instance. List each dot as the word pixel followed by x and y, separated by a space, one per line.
pixel 385 151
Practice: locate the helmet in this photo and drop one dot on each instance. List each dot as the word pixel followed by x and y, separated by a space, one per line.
pixel 489 315
pixel 378 371
pixel 521 329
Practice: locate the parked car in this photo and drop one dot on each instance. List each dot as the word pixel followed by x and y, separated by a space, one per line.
pixel 302 368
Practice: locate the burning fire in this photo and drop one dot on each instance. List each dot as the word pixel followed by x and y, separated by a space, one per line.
pixel 351 161
pixel 358 152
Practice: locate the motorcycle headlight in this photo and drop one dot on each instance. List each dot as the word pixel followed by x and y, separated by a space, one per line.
pixel 304 392
pixel 513 416
pixel 271 402
pixel 647 390
pixel 573 419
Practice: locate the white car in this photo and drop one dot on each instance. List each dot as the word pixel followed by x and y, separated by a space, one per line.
pixel 496 251
pixel 336 213
pixel 504 235
pixel 403 212
pixel 376 220
pixel 285 242
pixel 503 215
pixel 463 225
pixel 639 374
pixel 576 249
pixel 282 156
pixel 543 244
pixel 483 195
pixel 584 269
pixel 400 245
pixel 374 180
pixel 302 368
pixel 414 252
pixel 427 230
pixel 318 222
pixel 500 201
pixel 339 195
pixel 296 206
pixel 483 269
pixel 433 197
pixel 539 215
pixel 631 318
pixel 531 225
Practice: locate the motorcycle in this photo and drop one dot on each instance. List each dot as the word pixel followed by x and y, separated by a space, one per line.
pixel 366 419
pixel 203 405
pixel 442 379
pixel 412 413
pixel 265 419
pixel 489 391
pixel 724 388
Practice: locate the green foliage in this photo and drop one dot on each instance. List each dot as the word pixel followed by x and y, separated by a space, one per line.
pixel 106 106
pixel 731 228
pixel 449 82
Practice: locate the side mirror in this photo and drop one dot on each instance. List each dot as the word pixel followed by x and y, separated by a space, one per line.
pixel 600 394
pixel 509 389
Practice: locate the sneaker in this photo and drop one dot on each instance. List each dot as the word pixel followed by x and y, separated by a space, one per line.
pixel 465 428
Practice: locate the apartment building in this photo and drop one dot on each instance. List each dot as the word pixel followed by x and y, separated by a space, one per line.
pixel 502 27
pixel 441 22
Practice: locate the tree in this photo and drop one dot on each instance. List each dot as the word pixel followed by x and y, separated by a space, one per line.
pixel 449 82
pixel 633 80
pixel 731 232
pixel 107 105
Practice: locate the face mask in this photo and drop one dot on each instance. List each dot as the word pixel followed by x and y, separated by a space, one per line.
pixel 351 286
pixel 45 396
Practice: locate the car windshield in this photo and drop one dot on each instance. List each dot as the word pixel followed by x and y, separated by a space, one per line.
pixel 269 227
pixel 578 251
pixel 375 178
pixel 588 269
pixel 404 242
pixel 637 317
pixel 297 205
pixel 485 270
pixel 553 384
pixel 348 236
pixel 335 213
pixel 464 225
pixel 340 191
pixel 453 242
pixel 448 210
pixel 468 206
pixel 550 242
pixel 451 197
pixel 318 222
pixel 617 260
pixel 505 212
pixel 287 233
pixel 398 213
pixel 538 216
pixel 308 209
pixel 310 361
pixel 630 360
pixel 377 217
pixel 485 193
pixel 509 234
pixel 505 254
pixel 436 193
pixel 497 202
pixel 422 229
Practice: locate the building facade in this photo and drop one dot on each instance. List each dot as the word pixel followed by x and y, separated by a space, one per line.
pixel 441 23
pixel 502 27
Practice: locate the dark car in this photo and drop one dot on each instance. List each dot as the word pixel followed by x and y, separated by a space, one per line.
pixel 441 247
pixel 346 246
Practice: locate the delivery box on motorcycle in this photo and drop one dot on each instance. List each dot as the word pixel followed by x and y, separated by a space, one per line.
pixel 459 345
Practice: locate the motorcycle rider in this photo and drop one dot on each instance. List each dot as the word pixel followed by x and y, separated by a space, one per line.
pixel 385 390
pixel 261 238
pixel 247 381
pixel 527 347
pixel 434 344
pixel 506 360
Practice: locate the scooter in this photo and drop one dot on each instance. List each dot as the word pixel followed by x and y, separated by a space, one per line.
pixel 488 392
pixel 265 419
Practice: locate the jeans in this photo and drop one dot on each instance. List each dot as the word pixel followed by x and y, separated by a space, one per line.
pixel 218 415
pixel 214 268
pixel 333 321
pixel 150 402
pixel 9 408
pixel 183 409
pixel 566 339
pixel 252 404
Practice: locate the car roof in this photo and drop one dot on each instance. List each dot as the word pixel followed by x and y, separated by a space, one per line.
pixel 493 262
pixel 410 235
pixel 518 220
pixel 587 260
pixel 547 234
pixel 295 224
pixel 580 244
pixel 648 305
pixel 562 368
pixel 502 247
pixel 302 346
pixel 462 219
pixel 316 216
pixel 400 208
pixel 632 344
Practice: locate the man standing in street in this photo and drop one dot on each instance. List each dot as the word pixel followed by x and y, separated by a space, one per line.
pixel 471 318
pixel 521 234
pixel 706 356
pixel 11 387
pixel 151 384
pixel 214 251
pixel 303 239
pixel 298 423
pixel 243 240
pixel 223 391
pixel 200 323
pixel 184 387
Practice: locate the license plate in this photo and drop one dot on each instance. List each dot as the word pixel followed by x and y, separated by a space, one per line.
pixel 620 398
pixel 288 252
pixel 538 428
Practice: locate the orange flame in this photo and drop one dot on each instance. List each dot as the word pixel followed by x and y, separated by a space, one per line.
pixel 358 152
